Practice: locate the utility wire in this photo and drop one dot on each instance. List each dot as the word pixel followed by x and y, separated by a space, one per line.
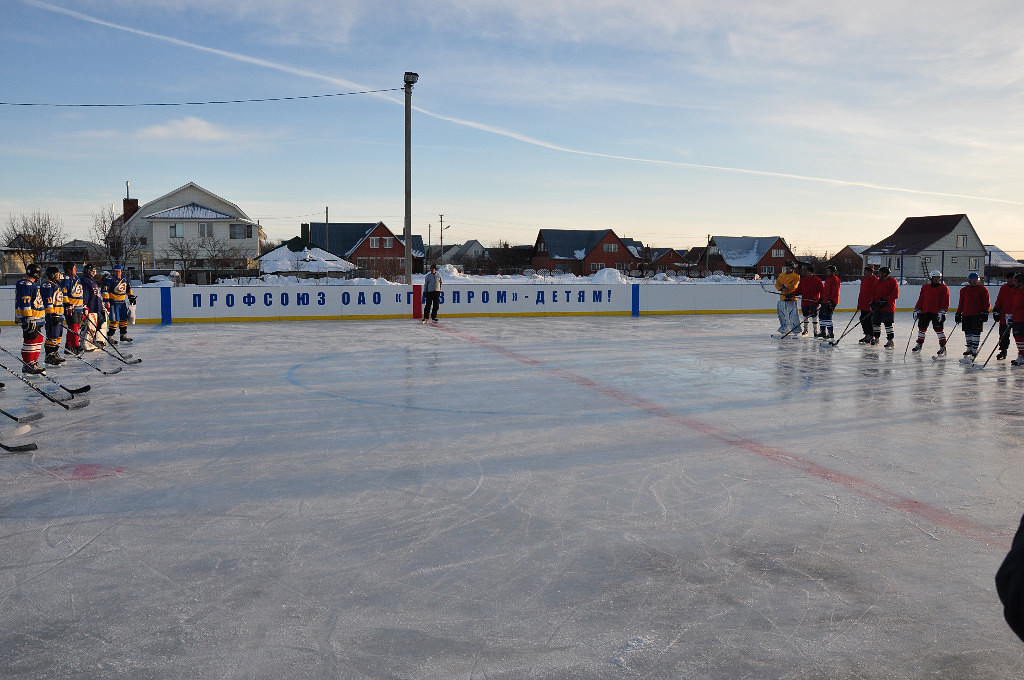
pixel 225 101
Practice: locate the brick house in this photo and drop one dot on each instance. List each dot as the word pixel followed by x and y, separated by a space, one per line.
pixel 371 246
pixel 582 252
pixel 743 256
pixel 849 263
pixel 667 260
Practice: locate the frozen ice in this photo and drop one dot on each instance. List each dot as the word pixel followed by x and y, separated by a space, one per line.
pixel 577 497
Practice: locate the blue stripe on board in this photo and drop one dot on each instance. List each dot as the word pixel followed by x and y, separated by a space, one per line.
pixel 165 306
pixel 636 299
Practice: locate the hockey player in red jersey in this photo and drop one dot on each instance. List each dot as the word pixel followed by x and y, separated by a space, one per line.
pixel 1001 313
pixel 931 308
pixel 886 291
pixel 1017 313
pixel 864 301
pixel 809 290
pixel 972 312
pixel 829 301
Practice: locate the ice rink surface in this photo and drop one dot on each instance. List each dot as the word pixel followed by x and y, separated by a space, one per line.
pixel 579 497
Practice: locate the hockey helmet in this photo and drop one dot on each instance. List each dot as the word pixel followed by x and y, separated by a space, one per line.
pixel 34 270
pixel 117 267
pixel 831 268
pixel 89 268
pixel 68 266
pixel 973 276
pixel 934 273
pixel 52 272
pixel 884 270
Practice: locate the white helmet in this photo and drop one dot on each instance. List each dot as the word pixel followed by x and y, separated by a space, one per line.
pixel 935 272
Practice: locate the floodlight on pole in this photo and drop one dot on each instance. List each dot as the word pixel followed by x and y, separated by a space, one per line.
pixel 410 80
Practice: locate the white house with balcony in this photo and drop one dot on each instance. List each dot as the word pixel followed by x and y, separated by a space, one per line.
pixel 190 220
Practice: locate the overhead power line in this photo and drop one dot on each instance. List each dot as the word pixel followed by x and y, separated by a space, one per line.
pixel 206 103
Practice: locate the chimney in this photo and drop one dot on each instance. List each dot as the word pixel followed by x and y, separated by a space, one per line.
pixel 131 206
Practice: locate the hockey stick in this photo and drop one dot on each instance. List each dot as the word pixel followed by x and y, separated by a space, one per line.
pixel 70 390
pixel 116 369
pixel 81 403
pixel 913 329
pixel 125 359
pixel 974 355
pixel 937 355
pixel 846 331
pixel 1002 334
pixel 19 448
pixel 22 419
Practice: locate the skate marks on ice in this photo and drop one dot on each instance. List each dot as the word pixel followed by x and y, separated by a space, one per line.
pixel 852 483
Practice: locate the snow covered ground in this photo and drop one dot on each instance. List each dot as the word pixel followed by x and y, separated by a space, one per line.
pixel 580 497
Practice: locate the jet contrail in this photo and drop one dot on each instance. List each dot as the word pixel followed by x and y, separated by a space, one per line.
pixel 483 127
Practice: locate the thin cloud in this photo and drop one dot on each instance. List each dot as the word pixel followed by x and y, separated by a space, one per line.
pixel 483 127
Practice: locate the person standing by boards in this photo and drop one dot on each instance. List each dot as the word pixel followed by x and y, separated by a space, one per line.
pixel 431 294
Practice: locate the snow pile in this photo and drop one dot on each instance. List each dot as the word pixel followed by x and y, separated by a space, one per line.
pixel 308 260
pixel 608 276
pixel 451 275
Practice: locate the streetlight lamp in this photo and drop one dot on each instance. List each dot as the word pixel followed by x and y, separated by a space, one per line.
pixel 410 80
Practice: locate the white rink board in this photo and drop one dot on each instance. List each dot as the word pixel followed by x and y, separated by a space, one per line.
pixel 317 302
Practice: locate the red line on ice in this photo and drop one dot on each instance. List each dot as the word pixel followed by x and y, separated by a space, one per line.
pixel 859 486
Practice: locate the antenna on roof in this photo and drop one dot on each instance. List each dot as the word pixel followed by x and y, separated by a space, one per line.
pixel 127 191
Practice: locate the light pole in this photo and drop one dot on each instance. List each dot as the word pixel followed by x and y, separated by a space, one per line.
pixel 410 80
pixel 443 229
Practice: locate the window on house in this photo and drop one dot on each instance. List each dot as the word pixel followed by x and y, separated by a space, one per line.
pixel 542 247
pixel 205 230
pixel 767 270
pixel 241 231
pixel 596 266
pixel 611 247
pixel 926 260
pixel 375 241
pixel 778 252
pixel 177 231
pixel 974 264
pixel 961 241
pixel 137 240
pixel 389 242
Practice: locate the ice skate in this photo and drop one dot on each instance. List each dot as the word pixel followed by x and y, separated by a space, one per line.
pixel 32 368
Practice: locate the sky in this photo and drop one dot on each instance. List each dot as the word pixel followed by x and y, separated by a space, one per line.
pixel 824 123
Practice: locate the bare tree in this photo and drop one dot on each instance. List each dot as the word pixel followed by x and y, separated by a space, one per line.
pixel 222 257
pixel 120 242
pixel 185 254
pixel 35 236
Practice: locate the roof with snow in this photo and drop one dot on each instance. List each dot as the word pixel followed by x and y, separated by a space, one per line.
pixel 342 238
pixel 571 244
pixel 312 259
pixel 1000 258
pixel 919 233
pixel 744 251
pixel 193 211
